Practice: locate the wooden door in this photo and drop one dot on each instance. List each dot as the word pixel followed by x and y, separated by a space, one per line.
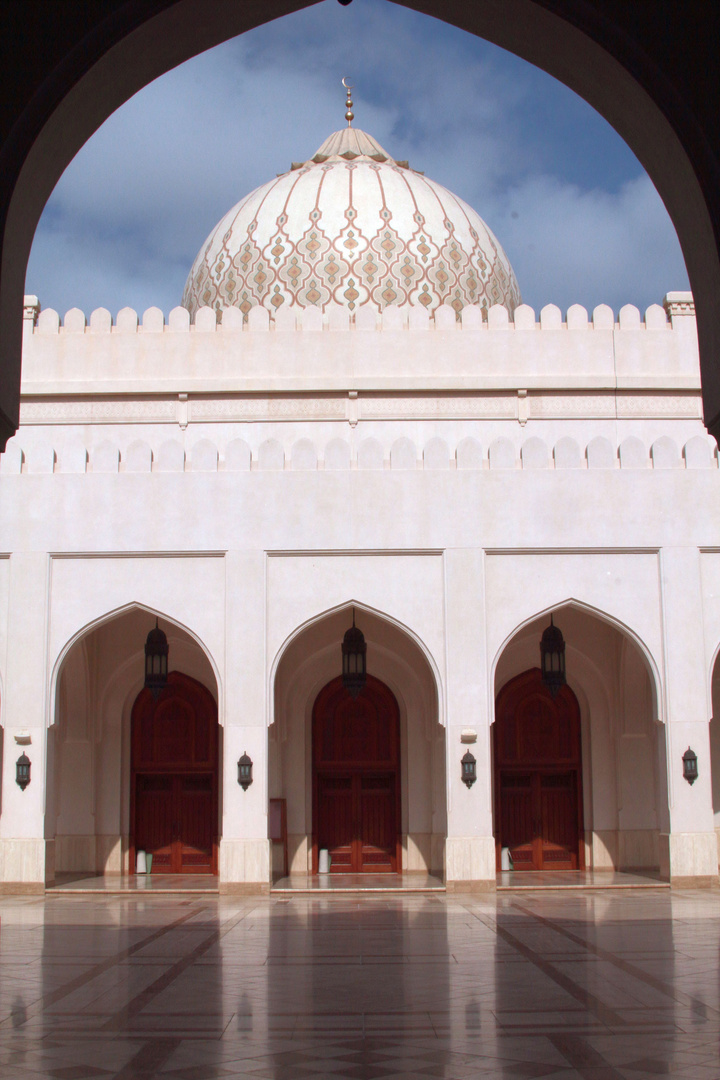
pixel 538 804
pixel 174 822
pixel 356 789
pixel 174 795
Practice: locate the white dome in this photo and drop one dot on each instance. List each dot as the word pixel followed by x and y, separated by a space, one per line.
pixel 351 226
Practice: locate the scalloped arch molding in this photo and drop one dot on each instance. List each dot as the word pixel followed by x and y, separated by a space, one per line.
pixel 56 97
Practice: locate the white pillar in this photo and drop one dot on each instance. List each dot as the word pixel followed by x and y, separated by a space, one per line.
pixel 244 846
pixel 688 850
pixel 26 858
pixel 470 847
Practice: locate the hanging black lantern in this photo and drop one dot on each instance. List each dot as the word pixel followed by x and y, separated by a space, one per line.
pixel 245 768
pixel 22 771
pixel 552 658
pixel 156 661
pixel 690 769
pixel 469 770
pixel 354 660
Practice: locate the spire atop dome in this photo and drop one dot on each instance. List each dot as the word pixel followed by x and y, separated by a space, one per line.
pixel 349 114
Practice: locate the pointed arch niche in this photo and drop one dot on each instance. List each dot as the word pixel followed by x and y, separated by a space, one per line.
pixel 96 684
pixel 308 663
pixel 621 782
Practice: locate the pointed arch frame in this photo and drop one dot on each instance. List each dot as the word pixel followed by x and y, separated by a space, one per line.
pixel 110 616
pixel 603 616
pixel 375 613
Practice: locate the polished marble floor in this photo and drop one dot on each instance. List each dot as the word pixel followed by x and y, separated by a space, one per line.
pixel 362 883
pixel 532 880
pixel 572 984
pixel 133 883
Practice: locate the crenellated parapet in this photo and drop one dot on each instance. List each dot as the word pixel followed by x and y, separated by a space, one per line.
pixel 338 318
pixel 311 349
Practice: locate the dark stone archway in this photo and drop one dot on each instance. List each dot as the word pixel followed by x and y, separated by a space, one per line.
pixel 651 70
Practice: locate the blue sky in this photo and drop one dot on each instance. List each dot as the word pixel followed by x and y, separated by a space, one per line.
pixel 576 213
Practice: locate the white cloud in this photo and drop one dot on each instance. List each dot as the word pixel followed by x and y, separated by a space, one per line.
pixel 590 247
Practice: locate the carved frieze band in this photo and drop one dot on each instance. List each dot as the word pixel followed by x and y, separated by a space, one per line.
pixel 98 411
pixel 400 406
pixel 449 407
pixel 660 405
pixel 207 410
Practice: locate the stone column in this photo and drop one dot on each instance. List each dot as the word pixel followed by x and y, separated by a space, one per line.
pixel 470 847
pixel 688 849
pixel 26 857
pixel 244 846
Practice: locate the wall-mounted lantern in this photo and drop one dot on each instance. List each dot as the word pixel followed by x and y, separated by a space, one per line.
pixel 354 660
pixel 690 769
pixel 552 658
pixel 469 770
pixel 156 661
pixel 22 771
pixel 245 768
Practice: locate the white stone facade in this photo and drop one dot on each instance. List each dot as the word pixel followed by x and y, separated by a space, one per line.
pixel 454 481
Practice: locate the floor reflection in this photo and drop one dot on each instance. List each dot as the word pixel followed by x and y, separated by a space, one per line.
pixel 577 984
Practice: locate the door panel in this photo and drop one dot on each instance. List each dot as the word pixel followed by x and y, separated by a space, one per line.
pixel 538 802
pixel 377 798
pixel 174 791
pixel 539 820
pixel 516 795
pixel 335 825
pixel 558 808
pixel 194 809
pixel 356 811
pixel 154 820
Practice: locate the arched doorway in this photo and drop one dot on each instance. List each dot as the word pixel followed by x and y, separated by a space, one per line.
pixel 174 778
pixel 356 786
pixel 538 797
pixel 309 662
pixel 97 680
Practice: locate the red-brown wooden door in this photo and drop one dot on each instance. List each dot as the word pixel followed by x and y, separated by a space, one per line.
pixel 538 804
pixel 175 778
pixel 356 778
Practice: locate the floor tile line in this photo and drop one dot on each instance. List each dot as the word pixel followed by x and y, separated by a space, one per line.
pixel 585 1059
pixel 141 1000
pixel 622 965
pixel 589 1000
pixel 53 996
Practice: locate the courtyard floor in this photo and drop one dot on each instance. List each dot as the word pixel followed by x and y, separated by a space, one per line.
pixel 595 985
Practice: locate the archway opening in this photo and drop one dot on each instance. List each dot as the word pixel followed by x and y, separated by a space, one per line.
pixel 580 781
pixel 401 778
pixel 91 769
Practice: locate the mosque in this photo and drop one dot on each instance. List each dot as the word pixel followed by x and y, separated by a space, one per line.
pixel 352 559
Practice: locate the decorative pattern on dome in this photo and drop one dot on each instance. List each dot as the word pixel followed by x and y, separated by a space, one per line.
pixel 353 227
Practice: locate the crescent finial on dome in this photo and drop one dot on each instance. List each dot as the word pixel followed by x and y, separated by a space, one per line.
pixel 349 114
